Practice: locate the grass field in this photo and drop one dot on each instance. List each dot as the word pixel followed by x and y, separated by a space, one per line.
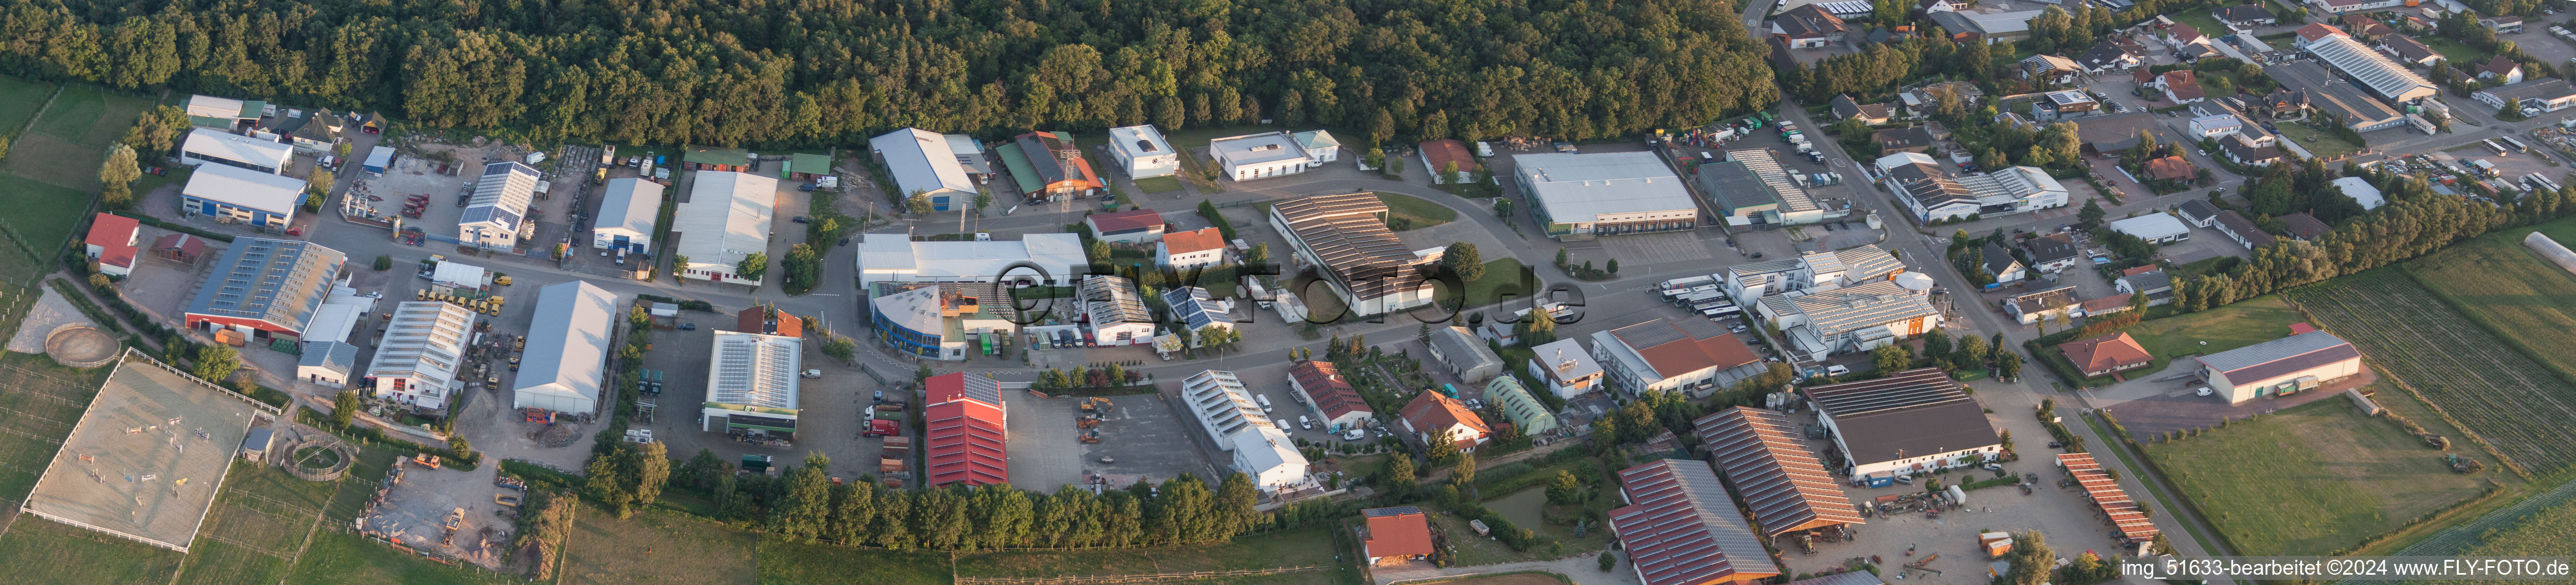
pixel 37 550
pixel 2458 367
pixel 341 558
pixel 783 562
pixel 1158 184
pixel 44 213
pixel 2501 284
pixel 91 116
pixel 256 527
pixel 1422 213
pixel 2325 144
pixel 2312 479
pixel 2249 322
pixel 42 402
pixel 19 99
pixel 656 545
pixel 1290 548
pixel 1501 276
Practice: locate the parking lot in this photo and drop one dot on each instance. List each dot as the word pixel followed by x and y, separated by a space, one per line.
pixel 828 420
pixel 1142 439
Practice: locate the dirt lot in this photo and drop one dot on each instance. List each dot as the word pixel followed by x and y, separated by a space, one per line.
pixel 419 505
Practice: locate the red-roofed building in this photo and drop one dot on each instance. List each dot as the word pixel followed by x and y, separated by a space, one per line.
pixel 1321 387
pixel 964 433
pixel 2181 86
pixel 1056 164
pixel 111 243
pixel 1134 226
pixel 1694 356
pixel 2130 523
pixel 1681 527
pixel 1432 415
pixel 767 319
pixel 1204 247
pixel 2298 328
pixel 2171 168
pixel 1396 535
pixel 2100 356
pixel 181 248
pixel 1437 155
pixel 2316 31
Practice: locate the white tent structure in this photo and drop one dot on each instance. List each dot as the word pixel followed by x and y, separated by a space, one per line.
pixel 567 353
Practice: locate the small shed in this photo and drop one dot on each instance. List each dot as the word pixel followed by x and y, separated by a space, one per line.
pixel 379 159
pixel 256 445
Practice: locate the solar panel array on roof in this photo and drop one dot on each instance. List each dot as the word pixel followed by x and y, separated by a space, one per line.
pixel 1113 299
pixel 2133 524
pixel 1681 528
pixel 1908 389
pixel 1345 232
pixel 1784 484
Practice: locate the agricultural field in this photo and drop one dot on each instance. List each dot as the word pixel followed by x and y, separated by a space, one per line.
pixel 2499 283
pixel 2542 525
pixel 2312 479
pixel 19 99
pixel 1312 546
pixel 2248 322
pixel 782 561
pixel 38 551
pixel 42 402
pixel 54 164
pixel 656 545
pixel 2458 367
pixel 341 558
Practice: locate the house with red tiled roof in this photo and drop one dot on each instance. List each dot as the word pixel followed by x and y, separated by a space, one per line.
pixel 1432 415
pixel 2316 31
pixel 1134 226
pixel 2100 356
pixel 1395 535
pixel 2364 28
pixel 1439 155
pixel 964 437
pixel 2180 86
pixel 2502 68
pixel 1201 247
pixel 768 320
pixel 1321 387
pixel 111 243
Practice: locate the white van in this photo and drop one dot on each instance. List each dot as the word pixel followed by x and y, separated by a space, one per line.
pixel 1264 399
pixel 1305 423
pixel 1484 149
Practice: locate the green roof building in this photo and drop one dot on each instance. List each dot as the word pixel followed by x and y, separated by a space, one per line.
pixel 1523 409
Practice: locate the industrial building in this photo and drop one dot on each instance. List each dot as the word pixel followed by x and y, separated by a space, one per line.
pixel 1519 406
pixel 2371 69
pixel 1914 421
pixel 223 113
pixel 497 212
pixel 2155 228
pixel 243 196
pixel 1345 238
pixel 921 162
pixel 2361 192
pixel 1048 166
pixel 947 321
pixel 1849 319
pixel 1051 259
pixel 965 431
pixel 628 209
pixel 2287 365
pixel 1222 405
pixel 1143 152
pixel 2548 94
pixel 1693 356
pixel 2335 97
pixel 204 145
pixel 1813 271
pixel 1933 194
pixel 1582 196
pixel 2105 355
pixel 1565 368
pixel 423 347
pixel 1784 484
pixel 1198 310
pixel 1681 527
pixel 565 363
pixel 1115 311
pixel 1134 226
pixel 1750 187
pixel 1468 357
pixel 1259 156
pixel 263 287
pixel 751 385
pixel 727 217
pixel 1319 385
pixel 2129 521
pixel 1431 416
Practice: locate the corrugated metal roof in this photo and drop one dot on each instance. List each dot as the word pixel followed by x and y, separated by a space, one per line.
pixel 2296 352
pixel 1520 405
pixel 1681 528
pixel 1580 188
pixel 1326 390
pixel 963 436
pixel 245 188
pixel 567 352
pixel 1911 413
pixel 629 204
pixel 2372 69
pixel 278 281
pixel 1357 249
pixel 1868 305
pixel 727 216
pixel 501 195
pixel 236 147
pixel 921 161
pixel 2125 517
pixel 1783 483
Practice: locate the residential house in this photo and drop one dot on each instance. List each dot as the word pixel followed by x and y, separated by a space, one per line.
pixel 1872 114
pixel 2407 50
pixel 2157 285
pixel 2302 226
pixel 2112 55
pixel 2000 264
pixel 2101 356
pixel 1321 387
pixel 1202 247
pixel 1468 358
pixel 2053 252
pixel 2215 126
pixel 1907 139
pixel 1565 368
pixel 2182 35
pixel 2171 168
pixel 2050 69
pixel 1320 146
pixel 2547 94
pixel 1395 535
pixel 1693 356
pixel 2501 68
pixel 2345 6
pixel 2242 151
pixel 111 241
pixel 2242 230
pixel 2282 104
pixel 2030 307
pixel 2364 28
pixel 2246 16
pixel 1134 226
pixel 2316 31
pixel 1448 161
pixel 2179 86
pixel 1432 416
pixel 311 131
pixel 2062 104
pixel 2197 212
pixel 1808 26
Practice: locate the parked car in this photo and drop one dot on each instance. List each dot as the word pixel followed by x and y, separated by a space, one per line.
pixel 801 219
pixel 688 326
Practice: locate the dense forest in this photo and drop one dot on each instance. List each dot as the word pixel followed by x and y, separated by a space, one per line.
pixel 817 71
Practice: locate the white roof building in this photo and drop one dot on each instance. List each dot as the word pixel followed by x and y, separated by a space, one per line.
pixel 752 375
pixel 1254 156
pixel 567 352
pixel 2361 192
pixel 1056 258
pixel 1143 151
pixel 2374 70
pixel 1565 367
pixel 1580 195
pixel 202 145
pixel 1222 406
pixel 459 275
pixel 339 315
pixel 1270 458
pixel 492 219
pixel 2155 228
pixel 1321 147
pixel 1116 311
pixel 423 346
pixel 216 108
pixel 627 210
pixel 245 188
pixel 922 161
pixel 727 217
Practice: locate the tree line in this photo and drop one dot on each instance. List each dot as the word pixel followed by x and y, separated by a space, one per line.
pixel 2416 221
pixel 836 71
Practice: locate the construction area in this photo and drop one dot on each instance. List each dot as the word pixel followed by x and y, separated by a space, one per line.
pixel 148 456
